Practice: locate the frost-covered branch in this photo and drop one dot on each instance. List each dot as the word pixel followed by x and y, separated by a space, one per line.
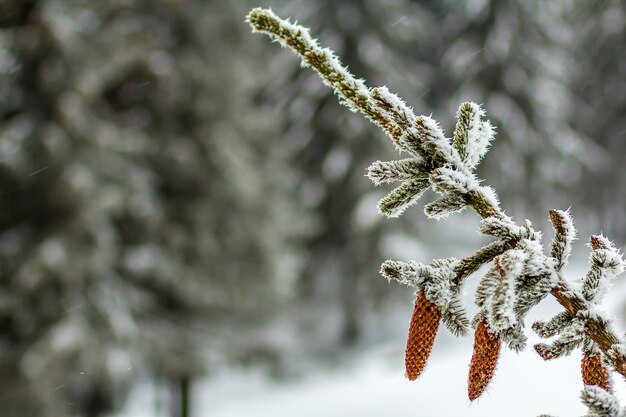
pixel 519 276
pixel 384 109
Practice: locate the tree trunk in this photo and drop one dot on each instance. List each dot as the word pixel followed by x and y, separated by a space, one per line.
pixel 181 396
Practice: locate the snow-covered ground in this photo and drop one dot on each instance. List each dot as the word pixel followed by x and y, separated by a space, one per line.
pixel 372 384
pixel 375 386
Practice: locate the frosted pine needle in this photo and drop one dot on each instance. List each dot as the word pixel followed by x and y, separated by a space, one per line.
pixel 408 273
pixel 472 136
pixel 466 116
pixel 606 263
pixel 501 308
pixel 571 337
pixel 394 203
pixel 394 107
pixel 553 326
pixel 380 172
pixel 351 90
pixel 444 206
pixel 435 142
pixel 503 228
pixel 455 317
pixel 564 234
pixel 600 402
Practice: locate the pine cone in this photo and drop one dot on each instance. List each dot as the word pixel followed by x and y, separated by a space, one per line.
pixel 484 360
pixel 594 372
pixel 422 332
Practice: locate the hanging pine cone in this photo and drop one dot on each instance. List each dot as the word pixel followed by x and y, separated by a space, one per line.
pixel 484 360
pixel 422 333
pixel 594 372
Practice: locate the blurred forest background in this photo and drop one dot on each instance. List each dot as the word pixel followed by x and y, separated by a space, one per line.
pixel 179 197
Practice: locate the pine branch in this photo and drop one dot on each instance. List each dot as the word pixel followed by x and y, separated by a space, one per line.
pixel 600 402
pixel 472 263
pixel 444 206
pixel 472 135
pixel 403 196
pixel 554 326
pixel 573 302
pixel 521 274
pixel 403 170
pixel 564 234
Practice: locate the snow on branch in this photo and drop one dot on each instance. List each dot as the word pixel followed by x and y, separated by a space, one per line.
pixel 553 326
pixel 501 309
pixel 352 91
pixel 600 402
pixel 571 337
pixel 519 274
pixel 503 228
pixel 401 170
pixel 394 107
pixel 472 136
pixel 606 264
pixel 564 234
pixel 444 206
pixel 403 196
pixel 434 142
pixel 408 273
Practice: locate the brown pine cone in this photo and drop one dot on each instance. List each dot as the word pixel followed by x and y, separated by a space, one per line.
pixel 484 360
pixel 422 332
pixel 594 372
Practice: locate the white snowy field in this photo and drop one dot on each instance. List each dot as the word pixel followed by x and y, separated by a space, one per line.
pixel 372 384
pixel 375 386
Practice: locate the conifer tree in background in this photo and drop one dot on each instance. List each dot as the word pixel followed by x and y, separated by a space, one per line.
pixel 598 81
pixel 520 274
pixel 133 208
